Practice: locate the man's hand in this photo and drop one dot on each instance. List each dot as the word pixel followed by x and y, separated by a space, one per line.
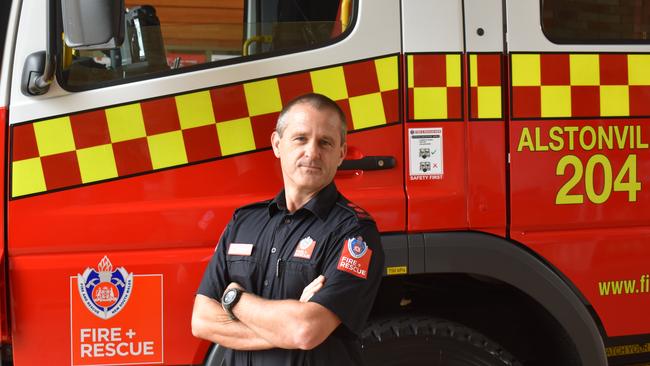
pixel 210 322
pixel 312 288
pixel 304 324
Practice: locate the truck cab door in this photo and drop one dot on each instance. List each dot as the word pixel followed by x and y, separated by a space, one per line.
pixel 454 137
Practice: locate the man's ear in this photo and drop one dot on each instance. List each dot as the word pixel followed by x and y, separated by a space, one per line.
pixel 275 143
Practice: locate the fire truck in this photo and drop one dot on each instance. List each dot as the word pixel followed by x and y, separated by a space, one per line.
pixel 502 147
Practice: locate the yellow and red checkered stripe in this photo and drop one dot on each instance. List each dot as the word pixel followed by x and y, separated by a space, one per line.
pixel 145 136
pixel 485 94
pixel 434 86
pixel 557 85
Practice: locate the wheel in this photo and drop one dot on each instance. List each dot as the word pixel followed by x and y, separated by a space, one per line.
pixel 428 341
pixel 214 356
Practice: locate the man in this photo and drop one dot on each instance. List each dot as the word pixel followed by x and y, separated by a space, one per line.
pixel 293 279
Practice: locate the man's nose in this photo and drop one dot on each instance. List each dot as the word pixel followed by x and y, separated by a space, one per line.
pixel 312 150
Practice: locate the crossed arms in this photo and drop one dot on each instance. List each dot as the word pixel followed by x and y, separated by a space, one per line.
pixel 264 324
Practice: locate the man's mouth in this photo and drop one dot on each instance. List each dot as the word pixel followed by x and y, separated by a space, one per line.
pixel 309 167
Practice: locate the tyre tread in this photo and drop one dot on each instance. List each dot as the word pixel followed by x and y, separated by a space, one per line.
pixel 391 328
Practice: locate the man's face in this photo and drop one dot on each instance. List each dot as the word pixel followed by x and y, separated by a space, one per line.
pixel 310 148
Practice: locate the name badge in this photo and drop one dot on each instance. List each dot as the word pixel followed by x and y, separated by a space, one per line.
pixel 240 249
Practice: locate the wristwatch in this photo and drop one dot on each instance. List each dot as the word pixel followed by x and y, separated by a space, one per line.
pixel 230 299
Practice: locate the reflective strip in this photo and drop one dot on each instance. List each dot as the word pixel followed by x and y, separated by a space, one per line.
pixel 54 136
pixel 473 70
pixel 580 85
pixel 167 149
pixel 430 103
pixel 584 69
pixel 434 86
pixel 27 177
pixel 489 103
pixel 525 70
pixel 263 97
pixel 386 75
pixel 330 82
pixel 125 122
pixel 198 126
pixel 452 71
pixel 638 69
pixel 615 100
pixel 194 110
pixel 485 100
pixel 96 163
pixel 556 101
pixel 367 111
pixel 236 136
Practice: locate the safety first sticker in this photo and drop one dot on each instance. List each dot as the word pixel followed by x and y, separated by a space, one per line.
pixel 425 153
pixel 355 257
pixel 115 317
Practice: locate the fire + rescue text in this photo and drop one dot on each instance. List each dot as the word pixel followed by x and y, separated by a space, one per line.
pixel 109 342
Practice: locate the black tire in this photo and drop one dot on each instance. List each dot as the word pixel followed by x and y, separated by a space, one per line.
pixel 415 341
pixel 215 356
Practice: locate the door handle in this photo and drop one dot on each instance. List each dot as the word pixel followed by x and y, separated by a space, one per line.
pixel 369 163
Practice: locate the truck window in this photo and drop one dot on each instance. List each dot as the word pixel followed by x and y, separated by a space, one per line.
pixel 596 21
pixel 163 37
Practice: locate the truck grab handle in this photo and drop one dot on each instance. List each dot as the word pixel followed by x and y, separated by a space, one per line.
pixel 369 163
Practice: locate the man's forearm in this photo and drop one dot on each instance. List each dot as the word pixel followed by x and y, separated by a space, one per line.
pixel 289 324
pixel 210 322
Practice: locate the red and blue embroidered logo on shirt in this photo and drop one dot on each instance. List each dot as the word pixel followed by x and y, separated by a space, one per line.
pixel 355 257
pixel 357 247
pixel 305 248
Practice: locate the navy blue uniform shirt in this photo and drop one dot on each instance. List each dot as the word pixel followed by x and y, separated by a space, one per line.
pixel 275 254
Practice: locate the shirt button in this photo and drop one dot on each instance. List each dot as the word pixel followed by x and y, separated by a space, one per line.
pixel 273 250
pixel 266 283
pixel 287 221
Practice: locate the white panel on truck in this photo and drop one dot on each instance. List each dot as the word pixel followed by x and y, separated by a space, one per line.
pixel 432 25
pixel 484 25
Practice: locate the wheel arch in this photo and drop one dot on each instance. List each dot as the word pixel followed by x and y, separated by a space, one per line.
pixel 485 255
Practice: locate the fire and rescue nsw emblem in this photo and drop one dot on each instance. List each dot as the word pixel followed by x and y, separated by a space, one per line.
pixel 355 257
pixel 105 291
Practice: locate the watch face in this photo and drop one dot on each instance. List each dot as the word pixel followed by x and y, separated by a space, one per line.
pixel 230 296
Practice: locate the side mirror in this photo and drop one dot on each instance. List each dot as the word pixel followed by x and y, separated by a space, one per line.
pixel 33 69
pixel 93 24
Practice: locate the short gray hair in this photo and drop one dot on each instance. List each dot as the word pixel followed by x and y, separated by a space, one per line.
pixel 319 102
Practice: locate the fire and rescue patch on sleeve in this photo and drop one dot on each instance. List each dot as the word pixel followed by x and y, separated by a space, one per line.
pixel 355 257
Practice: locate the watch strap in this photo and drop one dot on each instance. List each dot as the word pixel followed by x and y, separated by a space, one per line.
pixel 228 306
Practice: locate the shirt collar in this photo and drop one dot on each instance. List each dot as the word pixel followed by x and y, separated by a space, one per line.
pixel 320 205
